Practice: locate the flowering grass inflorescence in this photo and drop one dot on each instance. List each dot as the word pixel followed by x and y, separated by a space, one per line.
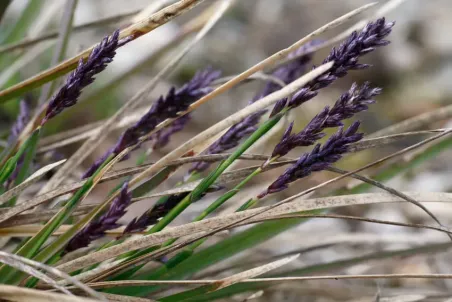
pixel 122 259
pixel 83 75
pixel 353 101
pixel 177 100
pixel 346 58
pixel 108 221
pixel 320 158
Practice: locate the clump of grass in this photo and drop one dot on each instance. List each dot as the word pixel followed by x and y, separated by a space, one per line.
pixel 92 246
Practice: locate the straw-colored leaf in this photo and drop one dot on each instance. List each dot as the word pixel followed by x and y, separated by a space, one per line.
pixel 29 181
pixel 223 283
pixel 253 272
pixel 296 205
pixel 11 261
pixel 20 294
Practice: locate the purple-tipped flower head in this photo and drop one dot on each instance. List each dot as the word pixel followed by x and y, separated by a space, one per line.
pixel 355 100
pixel 345 58
pixel 320 158
pixel 177 100
pixel 307 137
pixel 83 75
pixel 108 221
pixel 162 137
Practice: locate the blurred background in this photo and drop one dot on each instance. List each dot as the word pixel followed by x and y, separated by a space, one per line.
pixel 415 72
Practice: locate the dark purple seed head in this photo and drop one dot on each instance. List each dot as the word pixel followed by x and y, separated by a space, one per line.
pixel 162 137
pixel 351 102
pixel 346 58
pixel 307 137
pixel 83 75
pixel 108 221
pixel 320 158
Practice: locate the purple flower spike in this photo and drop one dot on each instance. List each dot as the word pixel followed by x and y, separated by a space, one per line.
pixel 349 103
pixel 108 221
pixel 83 75
pixel 177 100
pixel 307 137
pixel 163 136
pixel 345 58
pixel 320 158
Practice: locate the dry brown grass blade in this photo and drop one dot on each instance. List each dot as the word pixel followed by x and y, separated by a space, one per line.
pixel 28 182
pixel 296 205
pixel 27 42
pixel 119 298
pixel 135 30
pixel 21 294
pixel 363 219
pixel 374 142
pixel 219 284
pixel 391 191
pixel 417 122
pixel 110 284
pixel 69 188
pixel 40 216
pixel 16 263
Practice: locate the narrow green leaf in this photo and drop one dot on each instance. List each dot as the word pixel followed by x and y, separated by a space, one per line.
pixel 10 165
pixel 25 170
pixel 18 30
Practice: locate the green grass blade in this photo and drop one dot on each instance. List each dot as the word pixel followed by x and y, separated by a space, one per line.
pixel 3 6
pixel 22 24
pixel 8 168
pixel 25 170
